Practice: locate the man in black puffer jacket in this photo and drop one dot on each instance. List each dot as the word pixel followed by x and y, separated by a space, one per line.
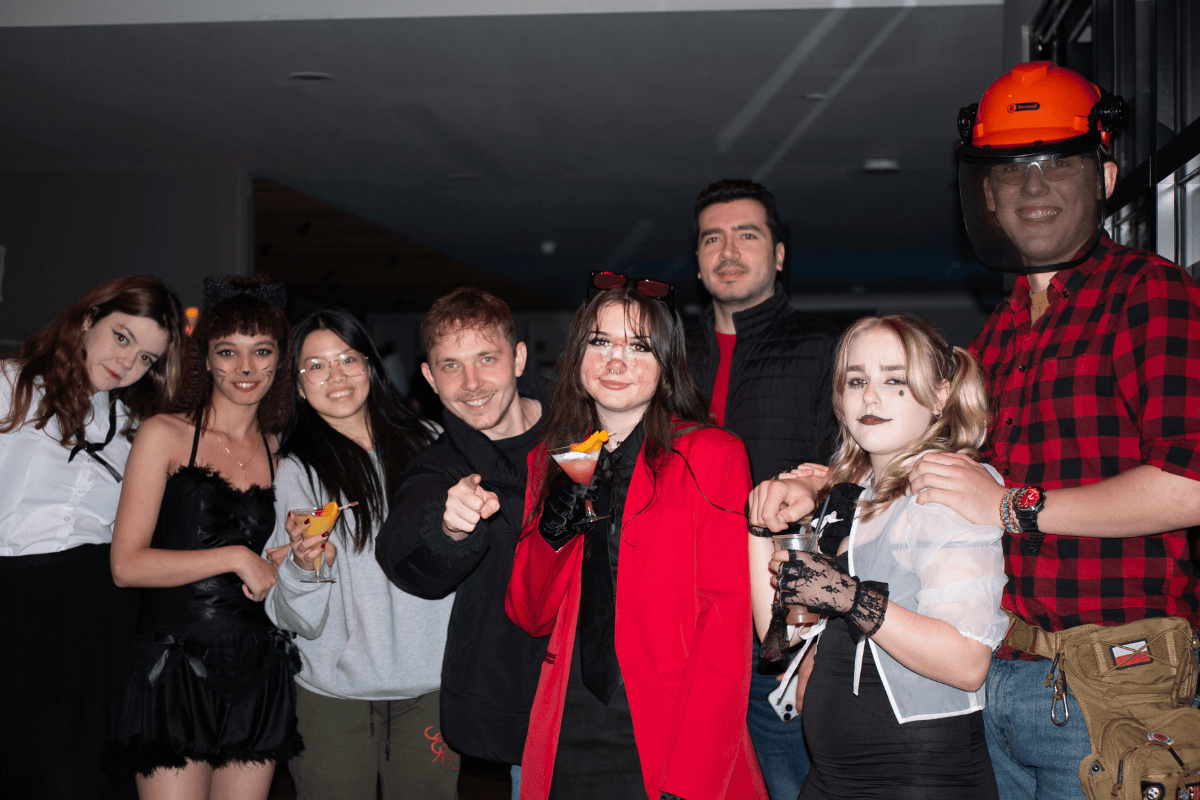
pixel 454 522
pixel 767 369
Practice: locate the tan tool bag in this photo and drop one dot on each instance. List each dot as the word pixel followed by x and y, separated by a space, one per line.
pixel 1135 684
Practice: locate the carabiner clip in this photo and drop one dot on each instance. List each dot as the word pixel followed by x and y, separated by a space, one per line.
pixel 1060 687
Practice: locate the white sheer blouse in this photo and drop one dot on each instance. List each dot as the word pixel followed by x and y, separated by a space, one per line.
pixel 940 565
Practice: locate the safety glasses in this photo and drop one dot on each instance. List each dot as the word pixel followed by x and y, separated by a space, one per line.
pixel 1052 169
pixel 659 290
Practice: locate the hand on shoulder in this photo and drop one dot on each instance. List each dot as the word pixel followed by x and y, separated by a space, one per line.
pixel 960 482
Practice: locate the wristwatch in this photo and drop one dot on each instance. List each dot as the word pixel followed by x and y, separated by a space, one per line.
pixel 1026 504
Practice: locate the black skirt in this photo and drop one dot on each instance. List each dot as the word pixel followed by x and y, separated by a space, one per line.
pixel 67 638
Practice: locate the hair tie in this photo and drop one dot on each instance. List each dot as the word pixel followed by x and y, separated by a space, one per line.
pixel 273 294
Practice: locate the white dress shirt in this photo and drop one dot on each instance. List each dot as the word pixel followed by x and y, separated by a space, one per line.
pixel 47 504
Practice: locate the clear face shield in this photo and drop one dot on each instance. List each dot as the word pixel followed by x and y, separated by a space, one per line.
pixel 1030 213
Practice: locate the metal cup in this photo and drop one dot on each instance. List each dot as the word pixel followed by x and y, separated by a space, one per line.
pixel 800 538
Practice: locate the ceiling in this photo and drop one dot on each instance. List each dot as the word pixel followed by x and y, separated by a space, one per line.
pixel 536 147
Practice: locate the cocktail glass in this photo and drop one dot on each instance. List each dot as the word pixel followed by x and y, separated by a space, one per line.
pixel 580 467
pixel 319 522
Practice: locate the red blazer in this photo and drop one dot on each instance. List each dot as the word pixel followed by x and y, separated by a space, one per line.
pixel 682 624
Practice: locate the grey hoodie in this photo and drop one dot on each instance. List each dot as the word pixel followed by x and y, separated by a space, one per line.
pixel 360 638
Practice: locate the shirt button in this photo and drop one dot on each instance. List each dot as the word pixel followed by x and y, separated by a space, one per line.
pixel 1005 471
pixel 1021 368
pixel 1008 421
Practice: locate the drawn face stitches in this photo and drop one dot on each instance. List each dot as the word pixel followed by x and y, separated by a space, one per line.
pixel 619 370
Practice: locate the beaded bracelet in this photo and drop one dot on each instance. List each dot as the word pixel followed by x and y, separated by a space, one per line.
pixel 1011 525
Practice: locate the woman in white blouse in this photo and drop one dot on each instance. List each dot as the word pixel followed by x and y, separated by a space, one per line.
pixel 371 653
pixel 911 596
pixel 69 405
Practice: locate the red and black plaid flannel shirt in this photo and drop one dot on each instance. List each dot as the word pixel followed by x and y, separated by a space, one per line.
pixel 1106 380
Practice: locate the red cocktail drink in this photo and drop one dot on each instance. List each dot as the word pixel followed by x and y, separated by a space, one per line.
pixel 579 466
pixel 579 462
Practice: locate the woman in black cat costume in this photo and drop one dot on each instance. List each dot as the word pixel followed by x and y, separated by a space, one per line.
pixel 210 706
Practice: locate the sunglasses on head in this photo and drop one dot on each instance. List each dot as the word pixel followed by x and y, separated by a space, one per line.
pixel 659 290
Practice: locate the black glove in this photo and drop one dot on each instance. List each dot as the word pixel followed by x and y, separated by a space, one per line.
pixel 819 583
pixel 775 644
pixel 562 513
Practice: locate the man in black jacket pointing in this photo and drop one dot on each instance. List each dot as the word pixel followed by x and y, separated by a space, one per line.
pixel 455 520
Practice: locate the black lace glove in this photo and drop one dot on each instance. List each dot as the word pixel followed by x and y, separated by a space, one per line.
pixel 819 582
pixel 562 513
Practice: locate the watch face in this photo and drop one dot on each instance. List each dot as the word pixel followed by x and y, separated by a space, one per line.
pixel 1027 498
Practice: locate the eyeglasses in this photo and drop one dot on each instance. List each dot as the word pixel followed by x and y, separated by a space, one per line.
pixel 659 290
pixel 1052 169
pixel 318 370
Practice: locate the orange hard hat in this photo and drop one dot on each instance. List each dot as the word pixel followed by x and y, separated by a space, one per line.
pixel 1039 108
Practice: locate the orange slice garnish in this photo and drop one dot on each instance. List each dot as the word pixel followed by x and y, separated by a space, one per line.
pixel 592 443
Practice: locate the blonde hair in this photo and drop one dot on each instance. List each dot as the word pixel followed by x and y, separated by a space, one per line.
pixel 929 362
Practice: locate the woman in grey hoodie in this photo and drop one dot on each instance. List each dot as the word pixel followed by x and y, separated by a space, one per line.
pixel 372 654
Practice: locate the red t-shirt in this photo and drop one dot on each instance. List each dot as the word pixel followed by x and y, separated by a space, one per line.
pixel 720 392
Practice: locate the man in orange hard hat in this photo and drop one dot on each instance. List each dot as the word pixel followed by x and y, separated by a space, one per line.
pixel 1094 364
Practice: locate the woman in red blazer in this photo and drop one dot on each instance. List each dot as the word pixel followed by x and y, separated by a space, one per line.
pixel 644 688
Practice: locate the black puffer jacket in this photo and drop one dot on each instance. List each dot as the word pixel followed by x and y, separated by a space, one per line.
pixel 491 667
pixel 780 383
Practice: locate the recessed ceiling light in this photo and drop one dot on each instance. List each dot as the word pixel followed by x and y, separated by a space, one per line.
pixel 310 76
pixel 815 96
pixel 464 176
pixel 878 165
pixel 548 247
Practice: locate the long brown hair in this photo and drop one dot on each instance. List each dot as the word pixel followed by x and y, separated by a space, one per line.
pixel 929 361
pixel 675 399
pixel 56 354
pixel 247 315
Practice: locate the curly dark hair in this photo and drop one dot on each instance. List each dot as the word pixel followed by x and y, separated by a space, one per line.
pixel 56 354
pixel 248 316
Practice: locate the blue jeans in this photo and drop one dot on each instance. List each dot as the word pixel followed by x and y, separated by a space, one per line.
pixel 1033 758
pixel 782 754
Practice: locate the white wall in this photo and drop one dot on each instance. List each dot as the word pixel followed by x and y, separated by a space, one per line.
pixel 66 232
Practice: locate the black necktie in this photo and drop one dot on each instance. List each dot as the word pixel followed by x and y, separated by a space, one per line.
pixel 598 604
pixel 93 449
